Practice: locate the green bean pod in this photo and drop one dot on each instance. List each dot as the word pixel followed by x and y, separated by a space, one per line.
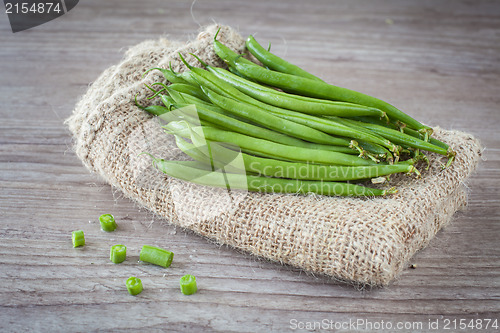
pixel 270 120
pixel 333 127
pixel 315 127
pixel 308 87
pixel 190 171
pixel 189 89
pixel 236 125
pixel 405 129
pixel 297 103
pixel 156 110
pixel 225 53
pixel 169 75
pixel 366 147
pixel 274 62
pixel 217 116
pixel 421 136
pixel 399 137
pixel 268 147
pixel 270 167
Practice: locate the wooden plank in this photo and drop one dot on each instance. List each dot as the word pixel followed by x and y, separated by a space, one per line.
pixel 438 60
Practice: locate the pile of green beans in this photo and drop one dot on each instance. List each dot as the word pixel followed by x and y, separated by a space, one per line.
pixel 275 128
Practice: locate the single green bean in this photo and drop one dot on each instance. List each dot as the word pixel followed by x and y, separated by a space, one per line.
pixel 188 284
pixel 134 285
pixel 274 62
pixel 225 53
pixel 187 89
pixel 78 238
pixel 169 75
pixel 107 222
pixel 156 255
pixel 156 110
pixel 118 253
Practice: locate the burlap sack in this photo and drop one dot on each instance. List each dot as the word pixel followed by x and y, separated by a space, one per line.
pixel 361 240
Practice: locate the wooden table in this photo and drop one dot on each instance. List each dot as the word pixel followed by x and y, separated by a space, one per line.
pixel 438 60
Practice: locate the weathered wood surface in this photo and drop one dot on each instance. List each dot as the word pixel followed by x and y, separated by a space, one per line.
pixel 438 60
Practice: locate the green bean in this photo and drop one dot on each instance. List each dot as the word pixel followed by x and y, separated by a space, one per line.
pixel 187 170
pixel 167 101
pixel 421 136
pixel 217 116
pixel 336 128
pixel 239 126
pixel 225 53
pixel 188 284
pixel 268 147
pixel 306 171
pixel 314 126
pixel 201 154
pixel 274 62
pixel 374 148
pixel 190 89
pixel 218 119
pixel 403 128
pixel 311 88
pixel 209 83
pixel 183 100
pixel 165 114
pixel 78 238
pixel 156 255
pixel 400 138
pixel 253 152
pixel 156 110
pixel 153 109
pixel 223 119
pixel 107 222
pixel 270 120
pixel 297 103
pixel 308 87
pixel 271 167
pixel 246 128
pixel 259 153
pixel 169 75
pixel 366 146
pixel 118 253
pixel 134 285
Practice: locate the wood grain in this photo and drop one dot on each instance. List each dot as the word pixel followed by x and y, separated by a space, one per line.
pixel 438 60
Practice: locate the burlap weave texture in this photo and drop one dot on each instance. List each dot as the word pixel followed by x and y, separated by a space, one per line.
pixel 363 240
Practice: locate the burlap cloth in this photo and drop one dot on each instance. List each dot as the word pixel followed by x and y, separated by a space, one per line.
pixel 359 240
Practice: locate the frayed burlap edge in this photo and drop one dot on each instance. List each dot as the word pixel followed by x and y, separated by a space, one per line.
pixel 361 240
